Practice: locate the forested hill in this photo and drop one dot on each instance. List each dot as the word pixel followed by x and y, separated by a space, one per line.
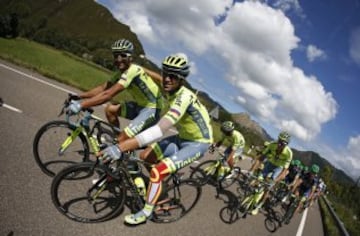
pixel 88 29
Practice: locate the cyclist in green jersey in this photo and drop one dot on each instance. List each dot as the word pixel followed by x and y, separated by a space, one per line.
pixel 277 157
pixel 172 153
pixel 235 143
pixel 143 112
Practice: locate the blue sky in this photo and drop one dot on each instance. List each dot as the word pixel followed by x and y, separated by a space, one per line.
pixel 292 65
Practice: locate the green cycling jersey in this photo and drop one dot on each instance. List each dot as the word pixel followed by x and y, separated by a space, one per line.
pixel 235 140
pixel 189 116
pixel 143 89
pixel 282 159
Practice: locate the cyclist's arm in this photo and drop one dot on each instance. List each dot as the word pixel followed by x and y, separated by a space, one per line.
pixel 103 96
pixel 95 91
pixel 155 76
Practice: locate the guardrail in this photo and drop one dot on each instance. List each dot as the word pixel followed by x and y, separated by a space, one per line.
pixel 337 219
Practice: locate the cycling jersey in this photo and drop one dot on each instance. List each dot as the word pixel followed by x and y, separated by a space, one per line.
pixel 143 89
pixel 281 160
pixel 236 140
pixel 309 181
pixel 189 116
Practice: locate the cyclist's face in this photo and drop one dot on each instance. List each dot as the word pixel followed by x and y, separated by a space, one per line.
pixel 171 82
pixel 122 60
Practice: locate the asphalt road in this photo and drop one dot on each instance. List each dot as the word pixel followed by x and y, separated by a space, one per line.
pixel 25 203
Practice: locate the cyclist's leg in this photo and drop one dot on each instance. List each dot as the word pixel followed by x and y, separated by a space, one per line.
pixel 188 152
pixel 141 118
pixel 111 112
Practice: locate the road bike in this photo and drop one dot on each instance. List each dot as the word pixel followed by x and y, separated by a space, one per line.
pixel 209 172
pixel 245 204
pixel 60 143
pixel 91 192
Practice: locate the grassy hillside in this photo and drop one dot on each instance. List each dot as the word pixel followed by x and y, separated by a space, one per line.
pixel 55 64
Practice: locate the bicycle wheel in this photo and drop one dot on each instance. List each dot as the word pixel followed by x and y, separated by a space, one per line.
pixel 229 214
pixel 176 201
pixel 86 194
pixel 230 178
pixel 48 141
pixel 289 213
pixel 204 172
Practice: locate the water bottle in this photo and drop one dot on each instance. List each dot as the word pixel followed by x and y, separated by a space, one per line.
pixel 140 184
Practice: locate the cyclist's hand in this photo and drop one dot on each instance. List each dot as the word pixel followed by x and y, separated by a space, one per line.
pixel 112 152
pixel 74 107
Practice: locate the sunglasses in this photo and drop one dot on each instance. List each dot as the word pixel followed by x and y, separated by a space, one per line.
pixel 172 76
pixel 282 143
pixel 121 54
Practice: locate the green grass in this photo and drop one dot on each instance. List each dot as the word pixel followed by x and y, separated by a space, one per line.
pixel 329 223
pixel 55 64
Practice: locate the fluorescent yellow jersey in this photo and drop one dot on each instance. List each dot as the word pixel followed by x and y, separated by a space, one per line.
pixel 281 160
pixel 143 89
pixel 189 116
pixel 235 140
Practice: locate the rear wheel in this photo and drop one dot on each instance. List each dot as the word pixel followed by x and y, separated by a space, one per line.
pixel 49 155
pixel 86 194
pixel 176 201
pixel 229 214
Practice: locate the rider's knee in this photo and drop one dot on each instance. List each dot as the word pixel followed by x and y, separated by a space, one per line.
pixel 160 171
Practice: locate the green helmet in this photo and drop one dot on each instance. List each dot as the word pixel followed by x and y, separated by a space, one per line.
pixel 306 168
pixel 227 126
pixel 177 64
pixel 315 169
pixel 297 163
pixel 123 45
pixel 284 136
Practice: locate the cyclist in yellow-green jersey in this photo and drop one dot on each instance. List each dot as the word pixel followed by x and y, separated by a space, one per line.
pixel 174 152
pixel 144 111
pixel 235 144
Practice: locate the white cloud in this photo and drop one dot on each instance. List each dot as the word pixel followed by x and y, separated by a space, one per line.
pixel 355 45
pixel 287 5
pixel 313 53
pixel 252 46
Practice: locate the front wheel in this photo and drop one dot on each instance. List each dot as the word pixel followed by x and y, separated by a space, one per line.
pixel 176 201
pixel 49 151
pixel 229 214
pixel 204 172
pixel 86 193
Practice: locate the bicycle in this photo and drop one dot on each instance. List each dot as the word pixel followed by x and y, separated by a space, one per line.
pixel 91 192
pixel 208 172
pixel 62 142
pixel 247 203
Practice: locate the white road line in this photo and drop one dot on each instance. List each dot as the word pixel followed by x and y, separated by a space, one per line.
pixel 47 83
pixel 36 79
pixel 11 108
pixel 302 223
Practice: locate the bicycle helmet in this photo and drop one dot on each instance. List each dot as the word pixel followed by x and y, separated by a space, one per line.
pixel 284 136
pixel 306 168
pixel 122 45
pixel 176 64
pixel 227 126
pixel 297 163
pixel 315 169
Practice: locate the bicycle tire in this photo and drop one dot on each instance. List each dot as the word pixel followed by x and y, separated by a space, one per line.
pixel 289 213
pixel 70 193
pixel 229 214
pixel 47 142
pixel 203 176
pixel 176 201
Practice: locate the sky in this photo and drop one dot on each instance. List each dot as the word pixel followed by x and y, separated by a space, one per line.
pixel 292 65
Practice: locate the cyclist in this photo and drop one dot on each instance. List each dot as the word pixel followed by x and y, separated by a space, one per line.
pixel 306 186
pixel 293 174
pixel 277 157
pixel 235 144
pixel 144 111
pixel 172 153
